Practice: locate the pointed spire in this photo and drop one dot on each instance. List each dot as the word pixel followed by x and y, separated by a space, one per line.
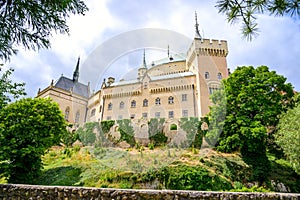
pixel 197 33
pixel 76 72
pixel 144 59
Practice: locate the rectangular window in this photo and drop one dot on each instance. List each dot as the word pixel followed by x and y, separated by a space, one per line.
pixel 157 115
pixel 108 118
pixel 185 113
pixel 145 115
pixel 132 116
pixel 171 114
pixel 184 97
pixel 120 117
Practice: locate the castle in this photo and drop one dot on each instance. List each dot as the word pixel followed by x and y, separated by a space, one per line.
pixel 174 87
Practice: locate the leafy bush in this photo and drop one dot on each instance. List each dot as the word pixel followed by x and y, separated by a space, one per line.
pixel 158 139
pixel 126 131
pixel 27 129
pixel 87 133
pixel 106 125
pixel 184 177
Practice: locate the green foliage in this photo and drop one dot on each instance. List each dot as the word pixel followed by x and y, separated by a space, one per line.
pixel 69 138
pixel 247 12
pixel 184 177
pixel 87 133
pixel 216 116
pixel 126 131
pixel 106 125
pixel 155 126
pixel 254 188
pixel 31 23
pixel 254 99
pixel 158 139
pixel 173 127
pixel 9 89
pixel 288 136
pixel 27 129
pixel 156 135
pixel 151 146
pixel 192 127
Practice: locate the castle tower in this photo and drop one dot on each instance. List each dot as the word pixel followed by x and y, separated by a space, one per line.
pixel 207 59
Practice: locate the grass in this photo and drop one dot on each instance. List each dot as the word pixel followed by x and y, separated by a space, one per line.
pixel 158 168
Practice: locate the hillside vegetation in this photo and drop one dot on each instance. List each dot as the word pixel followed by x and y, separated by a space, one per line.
pixel 161 168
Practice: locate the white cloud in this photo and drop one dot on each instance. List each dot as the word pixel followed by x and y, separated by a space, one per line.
pixel 276 46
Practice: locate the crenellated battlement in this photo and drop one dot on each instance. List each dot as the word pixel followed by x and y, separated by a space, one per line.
pixel 210 47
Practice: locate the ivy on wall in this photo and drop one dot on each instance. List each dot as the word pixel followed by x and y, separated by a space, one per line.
pixel 126 131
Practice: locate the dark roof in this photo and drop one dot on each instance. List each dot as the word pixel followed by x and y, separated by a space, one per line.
pixel 76 87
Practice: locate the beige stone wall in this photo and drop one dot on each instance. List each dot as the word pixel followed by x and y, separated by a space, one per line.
pixel 207 56
pixel 163 89
pixel 94 107
pixel 66 100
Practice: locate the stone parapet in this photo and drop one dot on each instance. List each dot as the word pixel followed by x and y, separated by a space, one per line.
pixel 15 191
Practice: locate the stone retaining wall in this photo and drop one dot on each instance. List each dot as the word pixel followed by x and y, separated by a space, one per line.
pixel 14 191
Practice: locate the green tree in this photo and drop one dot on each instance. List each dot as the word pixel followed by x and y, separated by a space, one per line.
pixel 247 11
pixel 28 127
pixel 254 100
pixel 288 136
pixel 31 23
pixel 216 116
pixel 194 134
pixel 8 89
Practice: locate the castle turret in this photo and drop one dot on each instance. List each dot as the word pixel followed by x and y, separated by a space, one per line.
pixel 110 81
pixel 76 72
pixel 143 69
pixel 197 33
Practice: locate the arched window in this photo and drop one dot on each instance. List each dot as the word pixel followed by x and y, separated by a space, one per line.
pixel 173 127
pixel 219 76
pixel 93 112
pixel 109 106
pixel 67 113
pixel 145 85
pixel 157 101
pixel 122 105
pixel 206 75
pixel 145 102
pixel 133 104
pixel 77 117
pixel 171 100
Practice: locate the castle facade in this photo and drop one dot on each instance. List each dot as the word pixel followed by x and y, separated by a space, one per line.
pixel 174 87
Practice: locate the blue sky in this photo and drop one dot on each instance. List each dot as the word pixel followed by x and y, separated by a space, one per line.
pixel 277 45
